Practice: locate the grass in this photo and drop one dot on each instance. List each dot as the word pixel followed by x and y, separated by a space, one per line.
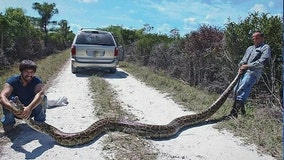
pixel 264 131
pixel 118 145
pixel 257 127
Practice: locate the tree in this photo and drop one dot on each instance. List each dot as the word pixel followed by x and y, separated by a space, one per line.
pixel 147 28
pixel 61 37
pixel 64 28
pixel 175 33
pixel 202 53
pixel 4 25
pixel 21 38
pixel 46 11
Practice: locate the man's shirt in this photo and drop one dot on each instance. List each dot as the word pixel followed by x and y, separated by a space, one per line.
pixel 255 57
pixel 25 93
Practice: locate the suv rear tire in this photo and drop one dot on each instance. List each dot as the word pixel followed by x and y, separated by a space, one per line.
pixel 73 69
pixel 112 71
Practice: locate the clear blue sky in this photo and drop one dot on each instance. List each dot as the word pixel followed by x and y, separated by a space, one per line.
pixel 163 15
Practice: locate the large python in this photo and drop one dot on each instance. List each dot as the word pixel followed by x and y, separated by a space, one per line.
pixel 116 124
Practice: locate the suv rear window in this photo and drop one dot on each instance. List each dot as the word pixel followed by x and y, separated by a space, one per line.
pixel 95 38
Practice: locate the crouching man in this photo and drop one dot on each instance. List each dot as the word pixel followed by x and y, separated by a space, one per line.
pixel 30 91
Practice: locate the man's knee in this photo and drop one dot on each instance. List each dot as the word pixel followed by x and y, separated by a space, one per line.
pixel 8 117
pixel 39 112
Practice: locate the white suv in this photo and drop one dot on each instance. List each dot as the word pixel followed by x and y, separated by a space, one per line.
pixel 94 49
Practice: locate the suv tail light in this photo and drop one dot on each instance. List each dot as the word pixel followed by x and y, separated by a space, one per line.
pixel 116 51
pixel 73 50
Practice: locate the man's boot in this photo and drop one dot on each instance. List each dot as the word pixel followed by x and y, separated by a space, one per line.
pixel 241 105
pixel 234 111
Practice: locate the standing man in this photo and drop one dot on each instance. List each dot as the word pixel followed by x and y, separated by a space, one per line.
pixel 251 66
pixel 30 91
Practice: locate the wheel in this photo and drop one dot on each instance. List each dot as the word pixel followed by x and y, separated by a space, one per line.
pixel 73 69
pixel 113 70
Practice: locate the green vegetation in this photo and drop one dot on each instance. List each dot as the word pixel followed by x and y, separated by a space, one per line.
pixel 25 37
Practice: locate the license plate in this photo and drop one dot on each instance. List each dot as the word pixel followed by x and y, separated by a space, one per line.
pixel 96 53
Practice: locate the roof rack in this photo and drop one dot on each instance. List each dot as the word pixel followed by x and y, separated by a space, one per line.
pixel 88 28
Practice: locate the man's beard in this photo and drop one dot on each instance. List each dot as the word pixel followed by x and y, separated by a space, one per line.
pixel 26 78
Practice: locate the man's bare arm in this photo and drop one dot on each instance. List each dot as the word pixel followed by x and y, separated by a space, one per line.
pixel 4 101
pixel 40 91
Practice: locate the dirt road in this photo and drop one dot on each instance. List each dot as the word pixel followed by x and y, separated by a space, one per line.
pixel 197 143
